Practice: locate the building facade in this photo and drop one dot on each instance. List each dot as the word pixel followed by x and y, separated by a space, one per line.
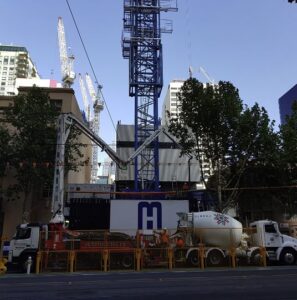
pixel 170 104
pixel 174 169
pixel 285 103
pixel 11 211
pixel 15 62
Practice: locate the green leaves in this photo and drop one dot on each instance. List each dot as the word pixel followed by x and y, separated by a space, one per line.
pixel 33 117
pixel 5 149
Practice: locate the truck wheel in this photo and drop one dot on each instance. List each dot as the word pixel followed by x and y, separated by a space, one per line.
pixel 215 258
pixel 255 258
pixel 127 261
pixel 193 259
pixel 288 257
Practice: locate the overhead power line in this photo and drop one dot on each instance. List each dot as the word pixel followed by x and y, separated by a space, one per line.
pixel 90 62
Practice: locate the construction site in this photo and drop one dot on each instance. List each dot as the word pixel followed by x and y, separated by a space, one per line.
pixel 155 211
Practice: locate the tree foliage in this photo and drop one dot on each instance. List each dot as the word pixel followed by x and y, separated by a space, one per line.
pixel 5 149
pixel 214 125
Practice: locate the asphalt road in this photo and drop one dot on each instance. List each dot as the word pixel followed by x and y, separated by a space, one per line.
pixel 249 283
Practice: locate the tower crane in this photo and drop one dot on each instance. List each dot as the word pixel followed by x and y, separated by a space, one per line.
pixel 84 97
pixel 141 44
pixel 68 75
pixel 97 107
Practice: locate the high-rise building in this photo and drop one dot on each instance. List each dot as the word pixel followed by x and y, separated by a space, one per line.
pixel 285 103
pixel 171 109
pixel 170 103
pixel 15 62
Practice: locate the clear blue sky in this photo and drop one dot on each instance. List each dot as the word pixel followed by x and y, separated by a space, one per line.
pixel 252 43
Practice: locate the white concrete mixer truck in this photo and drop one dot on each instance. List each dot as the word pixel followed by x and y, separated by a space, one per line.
pixel 220 233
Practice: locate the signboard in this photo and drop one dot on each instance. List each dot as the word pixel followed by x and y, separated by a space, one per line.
pixel 130 215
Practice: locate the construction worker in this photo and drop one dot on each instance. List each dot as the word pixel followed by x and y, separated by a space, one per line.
pixel 180 243
pixel 162 238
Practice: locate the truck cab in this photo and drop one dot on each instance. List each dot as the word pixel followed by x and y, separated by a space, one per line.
pixel 24 243
pixel 279 247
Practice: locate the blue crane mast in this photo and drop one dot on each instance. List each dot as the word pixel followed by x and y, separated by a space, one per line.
pixel 141 44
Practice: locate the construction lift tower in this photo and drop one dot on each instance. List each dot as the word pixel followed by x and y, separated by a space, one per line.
pixel 141 44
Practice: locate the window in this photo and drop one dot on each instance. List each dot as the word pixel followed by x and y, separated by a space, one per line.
pixel 270 228
pixel 23 233
pixel 57 104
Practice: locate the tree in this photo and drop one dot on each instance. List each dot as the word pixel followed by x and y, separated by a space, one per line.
pixel 5 149
pixel 33 117
pixel 207 121
pixel 214 124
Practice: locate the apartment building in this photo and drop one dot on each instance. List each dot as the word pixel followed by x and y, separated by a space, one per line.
pixel 171 102
pixel 171 109
pixel 15 62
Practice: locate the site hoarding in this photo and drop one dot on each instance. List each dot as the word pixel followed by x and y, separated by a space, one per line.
pixel 131 215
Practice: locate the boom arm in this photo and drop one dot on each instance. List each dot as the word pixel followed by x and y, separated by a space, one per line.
pixel 65 122
pixel 84 96
pixel 96 139
pixel 91 88
pixel 207 76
